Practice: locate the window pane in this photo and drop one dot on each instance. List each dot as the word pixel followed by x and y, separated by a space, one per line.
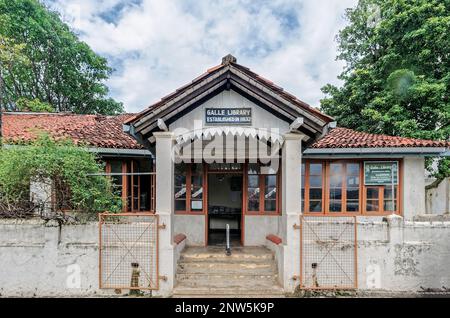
pixel 303 175
pixel 352 206
pixel 315 206
pixel 270 193
pixel 180 174
pixel 116 166
pixel 372 205
pixel 253 205
pixel 315 169
pixel 352 181
pixel 335 194
pixel 271 180
pixel 180 192
pixel 315 182
pixel 315 194
pixel 389 205
pixel 197 193
pixel 180 205
pixel 196 181
pixel 352 193
pixel 388 192
pixel 253 181
pixel 372 193
pixel 335 206
pixel 303 186
pixel 353 169
pixel 336 168
pixel 270 205
pixel 335 181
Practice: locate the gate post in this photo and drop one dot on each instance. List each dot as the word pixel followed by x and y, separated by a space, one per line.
pixel 165 209
pixel 291 208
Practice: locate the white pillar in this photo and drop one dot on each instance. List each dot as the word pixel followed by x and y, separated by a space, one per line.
pixel 165 210
pixel 291 208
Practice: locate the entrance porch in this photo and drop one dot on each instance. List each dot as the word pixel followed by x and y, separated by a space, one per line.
pixel 199 199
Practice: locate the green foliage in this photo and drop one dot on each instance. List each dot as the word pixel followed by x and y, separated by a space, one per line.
pixel 46 159
pixel 397 74
pixel 42 59
pixel 34 105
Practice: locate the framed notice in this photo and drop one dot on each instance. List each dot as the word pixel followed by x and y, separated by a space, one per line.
pixel 227 116
pixel 196 205
pixel 380 172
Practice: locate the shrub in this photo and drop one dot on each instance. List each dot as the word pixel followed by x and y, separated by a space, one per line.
pixel 71 165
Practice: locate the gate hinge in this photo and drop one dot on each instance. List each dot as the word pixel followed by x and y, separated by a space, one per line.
pixel 163 277
pixel 162 226
pixel 296 227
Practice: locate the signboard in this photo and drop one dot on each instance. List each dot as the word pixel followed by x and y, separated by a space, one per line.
pixel 380 172
pixel 234 116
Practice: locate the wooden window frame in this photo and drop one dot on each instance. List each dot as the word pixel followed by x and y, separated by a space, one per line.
pixel 307 187
pixel 124 195
pixel 189 174
pixel 262 187
pixel 326 178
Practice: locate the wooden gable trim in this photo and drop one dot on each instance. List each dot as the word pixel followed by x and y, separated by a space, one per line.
pixel 210 81
pixel 281 101
pixel 228 76
pixel 186 102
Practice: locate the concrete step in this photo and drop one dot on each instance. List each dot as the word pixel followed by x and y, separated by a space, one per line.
pixel 210 281
pixel 213 254
pixel 213 292
pixel 209 272
pixel 227 278
pixel 226 267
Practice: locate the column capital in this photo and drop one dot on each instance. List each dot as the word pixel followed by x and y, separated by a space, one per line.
pixel 293 136
pixel 163 134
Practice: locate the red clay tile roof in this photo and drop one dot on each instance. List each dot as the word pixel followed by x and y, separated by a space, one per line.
pixel 94 130
pixel 348 138
pixel 106 132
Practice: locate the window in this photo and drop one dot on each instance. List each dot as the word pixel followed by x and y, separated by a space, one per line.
pixel 180 186
pixel 196 187
pixel 303 186
pixel 352 185
pixel 253 187
pixel 315 193
pixel 134 181
pixel 336 187
pixel 337 176
pixel 343 190
pixel 262 189
pixel 189 188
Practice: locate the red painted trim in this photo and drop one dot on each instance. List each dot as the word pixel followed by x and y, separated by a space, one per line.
pixel 274 239
pixel 179 238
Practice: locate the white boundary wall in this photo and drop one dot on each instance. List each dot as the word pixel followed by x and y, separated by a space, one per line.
pixel 392 255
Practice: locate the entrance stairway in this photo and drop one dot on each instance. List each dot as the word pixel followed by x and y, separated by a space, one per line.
pixel 208 272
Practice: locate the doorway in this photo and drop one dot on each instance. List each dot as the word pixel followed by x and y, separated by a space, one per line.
pixel 224 207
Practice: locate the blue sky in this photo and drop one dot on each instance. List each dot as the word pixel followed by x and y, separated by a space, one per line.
pixel 155 46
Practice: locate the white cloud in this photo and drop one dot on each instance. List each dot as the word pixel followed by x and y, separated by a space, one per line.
pixel 157 46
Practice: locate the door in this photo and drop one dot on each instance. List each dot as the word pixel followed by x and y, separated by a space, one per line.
pixel 225 196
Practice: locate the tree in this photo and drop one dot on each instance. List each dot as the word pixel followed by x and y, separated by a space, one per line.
pixel 397 75
pixel 10 57
pixel 61 71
